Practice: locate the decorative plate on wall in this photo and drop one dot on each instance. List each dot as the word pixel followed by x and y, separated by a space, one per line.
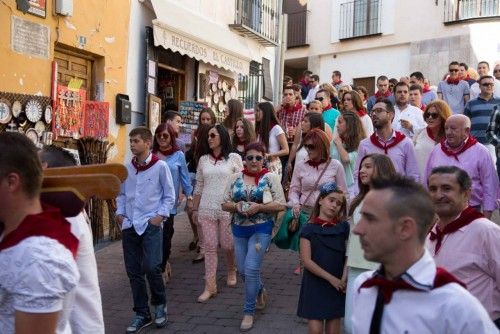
pixel 32 135
pixel 5 112
pixel 40 127
pixel 234 92
pixel 225 86
pixel 216 98
pixel 17 108
pixel 33 111
pixel 48 114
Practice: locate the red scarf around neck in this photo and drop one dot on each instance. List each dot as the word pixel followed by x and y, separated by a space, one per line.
pixel 338 82
pixel 315 164
pixel 466 217
pixel 169 151
pixel 140 168
pixel 399 138
pixel 323 222
pixel 290 110
pixel 430 134
pixel 362 112
pixel 256 175
pixel 328 107
pixel 217 158
pixel 379 95
pixel 422 107
pixel 469 142
pixel 451 81
pixel 426 89
pixel 387 286
pixel 49 223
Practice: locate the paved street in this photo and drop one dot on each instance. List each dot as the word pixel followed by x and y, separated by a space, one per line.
pixel 220 315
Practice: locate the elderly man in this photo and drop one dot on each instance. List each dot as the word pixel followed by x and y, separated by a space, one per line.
pixel 407 294
pixel 463 241
pixel 462 150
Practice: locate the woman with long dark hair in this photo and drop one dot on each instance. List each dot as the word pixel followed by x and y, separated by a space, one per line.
pixel 165 147
pixel 232 112
pixel 351 101
pixel 270 133
pixel 243 134
pixel 213 172
pixel 372 167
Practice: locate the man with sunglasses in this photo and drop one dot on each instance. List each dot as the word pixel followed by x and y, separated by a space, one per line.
pixel 483 68
pixel 479 111
pixel 462 150
pixel 329 114
pixel 313 88
pixel 453 90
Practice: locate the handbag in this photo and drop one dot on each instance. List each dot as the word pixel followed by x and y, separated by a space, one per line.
pixel 293 225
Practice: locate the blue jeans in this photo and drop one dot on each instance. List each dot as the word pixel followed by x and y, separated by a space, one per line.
pixel 143 256
pixel 249 262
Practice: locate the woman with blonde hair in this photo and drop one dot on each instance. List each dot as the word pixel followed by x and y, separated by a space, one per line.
pixel 435 115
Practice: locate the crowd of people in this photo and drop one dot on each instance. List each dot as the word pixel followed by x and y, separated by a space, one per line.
pixel 386 201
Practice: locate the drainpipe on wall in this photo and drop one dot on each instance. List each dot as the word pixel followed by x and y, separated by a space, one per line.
pixel 279 61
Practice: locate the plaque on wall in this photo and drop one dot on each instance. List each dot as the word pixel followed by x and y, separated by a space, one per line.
pixel 30 38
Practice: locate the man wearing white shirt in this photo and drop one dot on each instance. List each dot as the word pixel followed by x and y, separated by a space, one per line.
pixel 313 88
pixel 407 118
pixel 483 68
pixel 407 294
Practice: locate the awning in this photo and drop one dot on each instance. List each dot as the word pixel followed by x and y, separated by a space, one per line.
pixel 189 34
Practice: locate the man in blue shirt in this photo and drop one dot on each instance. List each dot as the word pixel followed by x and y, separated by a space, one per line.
pixel 146 198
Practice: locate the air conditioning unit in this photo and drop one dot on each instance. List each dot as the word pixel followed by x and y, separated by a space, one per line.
pixel 64 7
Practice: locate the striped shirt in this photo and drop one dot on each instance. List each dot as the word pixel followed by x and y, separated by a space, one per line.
pixel 479 111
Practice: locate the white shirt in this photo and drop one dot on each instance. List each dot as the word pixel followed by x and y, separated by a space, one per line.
pixel 367 123
pixel 35 277
pixel 411 114
pixel 311 95
pixel 449 309
pixel 475 90
pixel 274 145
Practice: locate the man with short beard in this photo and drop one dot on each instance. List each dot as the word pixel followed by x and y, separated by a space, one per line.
pixel 408 119
pixel 382 93
pixel 463 241
pixel 462 150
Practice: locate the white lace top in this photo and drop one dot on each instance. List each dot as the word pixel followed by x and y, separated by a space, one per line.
pixel 35 277
pixel 211 179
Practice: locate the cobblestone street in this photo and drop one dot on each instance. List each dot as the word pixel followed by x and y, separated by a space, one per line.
pixel 221 314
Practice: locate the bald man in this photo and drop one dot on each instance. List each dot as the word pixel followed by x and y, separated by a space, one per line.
pixel 462 150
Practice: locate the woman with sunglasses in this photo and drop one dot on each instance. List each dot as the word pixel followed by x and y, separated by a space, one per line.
pixel 351 101
pixel 232 112
pixel 243 134
pixel 307 176
pixel 435 115
pixel 165 147
pixel 214 170
pixel 270 133
pixel 253 196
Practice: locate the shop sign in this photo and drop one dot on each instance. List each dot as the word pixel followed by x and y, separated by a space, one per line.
pixel 35 7
pixel 199 50
pixel 30 38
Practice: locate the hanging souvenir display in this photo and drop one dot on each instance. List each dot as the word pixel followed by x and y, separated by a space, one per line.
pixel 96 119
pixel 69 113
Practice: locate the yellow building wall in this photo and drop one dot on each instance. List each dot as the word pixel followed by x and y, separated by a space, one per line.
pixel 104 24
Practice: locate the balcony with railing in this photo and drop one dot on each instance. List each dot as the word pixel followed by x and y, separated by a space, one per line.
pixel 297 29
pixel 462 10
pixel 257 19
pixel 360 18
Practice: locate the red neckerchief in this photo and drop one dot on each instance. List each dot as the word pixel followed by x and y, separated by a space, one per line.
pixel 430 134
pixel 323 223
pixel 466 217
pixel 451 81
pixel 49 223
pixel 378 94
pixel 169 151
pixel 304 82
pixel 237 141
pixel 217 158
pixel 399 138
pixel 422 107
pixel 426 89
pixel 387 287
pixel 315 164
pixel 469 142
pixel 362 112
pixel 140 168
pixel 338 82
pixel 290 110
pixel 256 175
pixel 329 106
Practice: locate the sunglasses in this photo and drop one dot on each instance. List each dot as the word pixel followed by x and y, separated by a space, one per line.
pixel 432 115
pixel 488 84
pixel 453 69
pixel 254 157
pixel 496 71
pixel 320 99
pixel 309 147
pixel 162 135
pixel 212 135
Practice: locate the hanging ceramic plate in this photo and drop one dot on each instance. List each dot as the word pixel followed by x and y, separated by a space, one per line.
pixel 216 98
pixel 208 100
pixel 5 112
pixel 221 106
pixel 48 114
pixel 40 127
pixel 219 84
pixel 227 97
pixel 33 111
pixel 32 135
pixel 214 108
pixel 225 86
pixel 234 92
pixel 17 108
pixel 213 87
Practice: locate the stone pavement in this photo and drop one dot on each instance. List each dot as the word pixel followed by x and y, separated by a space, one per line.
pixel 221 314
